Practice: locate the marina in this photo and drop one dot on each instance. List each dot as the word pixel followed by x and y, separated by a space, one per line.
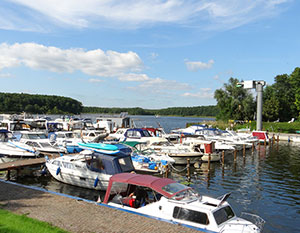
pixel 263 180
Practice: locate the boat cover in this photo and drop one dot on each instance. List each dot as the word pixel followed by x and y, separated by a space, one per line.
pixel 153 182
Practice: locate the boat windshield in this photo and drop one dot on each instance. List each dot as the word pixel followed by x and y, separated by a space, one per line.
pixel 126 164
pixel 223 214
pixel 181 192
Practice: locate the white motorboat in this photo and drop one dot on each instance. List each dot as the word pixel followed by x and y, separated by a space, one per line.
pixel 167 200
pixel 147 159
pixel 92 135
pixel 180 153
pixel 189 130
pixel 38 141
pixel 11 148
pixel 206 147
pixel 216 135
pixel 131 134
pixel 67 139
pixel 89 169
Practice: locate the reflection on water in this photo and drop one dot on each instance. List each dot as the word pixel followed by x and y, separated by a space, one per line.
pixel 265 183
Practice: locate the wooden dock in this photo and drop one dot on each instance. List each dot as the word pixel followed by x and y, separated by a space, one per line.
pixel 14 165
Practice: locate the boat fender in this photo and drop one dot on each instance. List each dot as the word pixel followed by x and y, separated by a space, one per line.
pixel 96 182
pixel 43 170
pixel 61 154
pixel 58 171
pixel 164 162
pixel 152 166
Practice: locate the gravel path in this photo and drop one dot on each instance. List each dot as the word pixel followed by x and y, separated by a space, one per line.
pixel 78 216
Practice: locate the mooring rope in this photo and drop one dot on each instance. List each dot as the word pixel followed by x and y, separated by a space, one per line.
pixel 177 170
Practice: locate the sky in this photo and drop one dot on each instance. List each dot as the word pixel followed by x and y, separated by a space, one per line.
pixel 151 54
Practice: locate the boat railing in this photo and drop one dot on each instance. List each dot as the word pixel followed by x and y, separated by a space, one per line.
pixel 242 227
pixel 255 219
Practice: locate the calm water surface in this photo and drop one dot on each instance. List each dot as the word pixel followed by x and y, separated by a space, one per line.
pixel 266 182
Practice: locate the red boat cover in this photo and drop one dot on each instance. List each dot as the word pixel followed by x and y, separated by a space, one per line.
pixel 262 135
pixel 155 183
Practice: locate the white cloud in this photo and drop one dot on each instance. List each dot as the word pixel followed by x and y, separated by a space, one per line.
pixel 214 14
pixel 92 62
pixel 94 80
pixel 133 77
pixel 198 65
pixel 158 85
pixel 204 93
pixel 153 55
pixel 5 75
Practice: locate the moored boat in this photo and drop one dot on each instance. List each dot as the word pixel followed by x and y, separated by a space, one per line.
pixel 89 169
pixel 167 200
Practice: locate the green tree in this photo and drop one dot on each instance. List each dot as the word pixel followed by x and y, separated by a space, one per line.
pixel 234 102
pixel 271 105
pixel 295 87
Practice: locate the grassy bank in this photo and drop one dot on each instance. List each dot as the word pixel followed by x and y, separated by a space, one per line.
pixel 277 127
pixel 12 223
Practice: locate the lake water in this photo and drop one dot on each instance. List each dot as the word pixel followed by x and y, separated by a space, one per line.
pixel 265 182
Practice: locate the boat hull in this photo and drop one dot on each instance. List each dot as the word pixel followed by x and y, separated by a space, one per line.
pixel 182 158
pixel 87 180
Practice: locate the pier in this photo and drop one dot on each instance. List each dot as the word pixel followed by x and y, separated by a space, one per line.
pixel 77 214
pixel 22 163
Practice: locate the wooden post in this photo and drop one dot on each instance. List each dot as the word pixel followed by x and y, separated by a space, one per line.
pixel 277 138
pixel 234 155
pixel 252 147
pixel 188 168
pixel 208 165
pixel 244 150
pixel 8 174
pixel 167 169
pixel 223 158
pixel 273 139
pixel 265 142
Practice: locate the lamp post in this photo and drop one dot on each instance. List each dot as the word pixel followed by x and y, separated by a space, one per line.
pixel 258 85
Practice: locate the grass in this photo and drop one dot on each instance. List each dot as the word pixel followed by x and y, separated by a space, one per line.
pixel 13 223
pixel 276 127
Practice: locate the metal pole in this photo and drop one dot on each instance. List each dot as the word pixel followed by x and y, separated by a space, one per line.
pixel 259 90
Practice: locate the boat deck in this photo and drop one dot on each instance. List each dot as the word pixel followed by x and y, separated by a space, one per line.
pixel 78 215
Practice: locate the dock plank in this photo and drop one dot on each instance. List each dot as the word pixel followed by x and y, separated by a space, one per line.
pixel 23 163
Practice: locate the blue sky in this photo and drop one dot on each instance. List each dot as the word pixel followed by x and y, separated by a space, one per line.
pixel 151 54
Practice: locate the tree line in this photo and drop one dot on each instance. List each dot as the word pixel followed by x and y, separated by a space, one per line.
pixel 50 104
pixel 174 111
pixel 38 104
pixel 281 100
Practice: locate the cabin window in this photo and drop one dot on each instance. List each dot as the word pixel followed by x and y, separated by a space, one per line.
pixel 146 133
pixel 133 133
pixel 68 165
pixel 57 163
pixel 223 214
pixel 34 144
pixel 45 144
pixel 126 164
pixel 95 164
pixel 190 215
